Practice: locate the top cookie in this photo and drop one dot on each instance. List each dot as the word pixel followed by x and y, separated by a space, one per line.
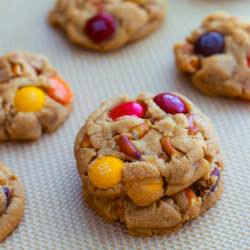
pixel 107 24
pixel 33 97
pixel 217 56
pixel 152 162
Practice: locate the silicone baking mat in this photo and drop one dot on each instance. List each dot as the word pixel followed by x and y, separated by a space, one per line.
pixel 56 217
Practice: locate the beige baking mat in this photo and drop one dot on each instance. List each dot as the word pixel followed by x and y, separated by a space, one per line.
pixel 56 216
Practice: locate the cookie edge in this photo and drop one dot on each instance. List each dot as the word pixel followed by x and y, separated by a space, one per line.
pixel 13 215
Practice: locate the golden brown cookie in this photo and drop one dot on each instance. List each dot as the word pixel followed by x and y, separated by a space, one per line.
pixel 152 163
pixel 105 25
pixel 33 97
pixel 217 56
pixel 11 201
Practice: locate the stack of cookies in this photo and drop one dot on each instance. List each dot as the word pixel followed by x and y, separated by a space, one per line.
pixel 152 163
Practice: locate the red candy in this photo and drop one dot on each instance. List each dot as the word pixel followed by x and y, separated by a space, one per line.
pixel 248 60
pixel 170 103
pixel 128 109
pixel 100 27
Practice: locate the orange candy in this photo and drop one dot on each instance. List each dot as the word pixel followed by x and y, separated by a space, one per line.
pixel 60 91
pixel 145 192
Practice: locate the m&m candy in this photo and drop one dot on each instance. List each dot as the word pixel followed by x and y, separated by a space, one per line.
pixel 60 91
pixel 145 192
pixel 171 104
pixel 29 99
pixel 106 172
pixel 128 109
pixel 101 27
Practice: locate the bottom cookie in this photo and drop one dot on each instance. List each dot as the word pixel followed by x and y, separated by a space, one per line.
pixel 165 216
pixel 12 201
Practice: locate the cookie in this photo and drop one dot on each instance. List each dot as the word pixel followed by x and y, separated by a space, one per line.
pixel 11 201
pixel 106 25
pixel 217 56
pixel 152 163
pixel 33 97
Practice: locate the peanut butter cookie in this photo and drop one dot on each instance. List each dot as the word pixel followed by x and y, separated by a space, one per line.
pixel 33 97
pixel 11 202
pixel 152 163
pixel 217 56
pixel 105 25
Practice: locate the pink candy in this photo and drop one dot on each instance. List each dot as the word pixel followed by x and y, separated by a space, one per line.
pixel 128 109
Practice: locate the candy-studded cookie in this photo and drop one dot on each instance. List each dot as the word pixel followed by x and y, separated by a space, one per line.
pixel 217 56
pixel 105 25
pixel 33 97
pixel 152 163
pixel 11 201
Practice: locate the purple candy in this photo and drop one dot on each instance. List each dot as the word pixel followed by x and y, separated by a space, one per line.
pixel 7 192
pixel 210 43
pixel 171 104
pixel 213 187
pixel 216 172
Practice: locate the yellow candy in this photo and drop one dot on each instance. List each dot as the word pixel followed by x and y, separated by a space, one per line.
pixel 29 99
pixel 106 172
pixel 145 192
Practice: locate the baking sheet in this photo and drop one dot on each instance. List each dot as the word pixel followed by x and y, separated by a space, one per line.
pixel 56 217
